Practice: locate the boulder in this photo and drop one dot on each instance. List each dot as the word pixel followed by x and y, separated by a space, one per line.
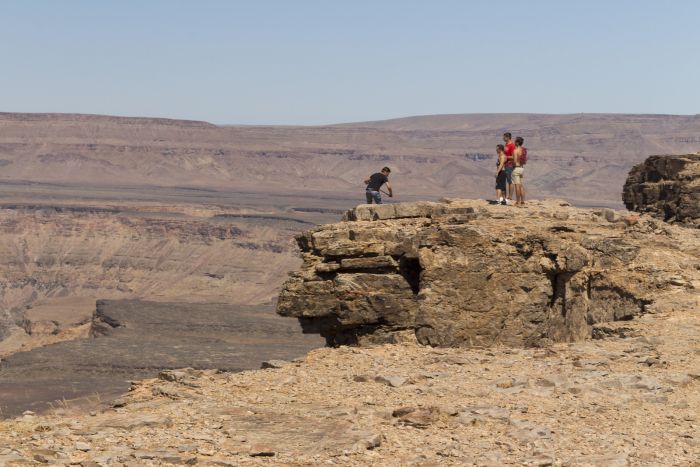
pixel 667 187
pixel 523 279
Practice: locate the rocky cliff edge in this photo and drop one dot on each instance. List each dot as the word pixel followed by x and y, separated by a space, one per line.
pixel 465 273
pixel 667 187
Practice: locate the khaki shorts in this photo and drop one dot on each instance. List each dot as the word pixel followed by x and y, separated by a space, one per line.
pixel 518 176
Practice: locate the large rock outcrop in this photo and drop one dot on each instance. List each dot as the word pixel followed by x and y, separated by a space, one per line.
pixel 667 187
pixel 464 273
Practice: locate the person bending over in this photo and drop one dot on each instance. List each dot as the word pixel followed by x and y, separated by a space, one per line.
pixel 374 184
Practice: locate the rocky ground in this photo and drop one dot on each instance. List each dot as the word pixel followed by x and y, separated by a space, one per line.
pixel 629 398
pixel 626 396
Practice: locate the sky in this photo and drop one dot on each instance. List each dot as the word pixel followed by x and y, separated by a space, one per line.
pixel 309 62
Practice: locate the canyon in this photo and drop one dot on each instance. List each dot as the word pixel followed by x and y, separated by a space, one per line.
pixel 131 248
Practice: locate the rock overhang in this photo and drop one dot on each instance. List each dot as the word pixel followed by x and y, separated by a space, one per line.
pixel 466 273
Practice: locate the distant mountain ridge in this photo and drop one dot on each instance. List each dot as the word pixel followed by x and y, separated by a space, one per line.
pixel 581 157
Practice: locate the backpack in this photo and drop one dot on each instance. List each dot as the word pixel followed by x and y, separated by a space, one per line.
pixel 523 157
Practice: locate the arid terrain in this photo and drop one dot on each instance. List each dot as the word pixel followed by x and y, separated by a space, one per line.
pixel 113 207
pixel 626 396
pixel 583 158
pixel 131 246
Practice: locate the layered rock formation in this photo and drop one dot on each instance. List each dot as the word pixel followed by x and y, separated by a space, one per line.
pixel 431 156
pixel 57 260
pixel 464 273
pixel 667 187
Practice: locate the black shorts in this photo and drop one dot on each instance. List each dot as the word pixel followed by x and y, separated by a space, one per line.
pixel 501 180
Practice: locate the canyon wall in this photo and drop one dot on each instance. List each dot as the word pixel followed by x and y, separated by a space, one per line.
pixel 56 261
pixel 581 157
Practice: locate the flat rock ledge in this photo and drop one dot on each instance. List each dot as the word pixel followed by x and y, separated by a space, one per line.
pixel 464 273
pixel 667 187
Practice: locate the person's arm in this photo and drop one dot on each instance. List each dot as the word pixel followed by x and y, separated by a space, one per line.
pixel 367 182
pixel 501 163
pixel 516 156
pixel 388 187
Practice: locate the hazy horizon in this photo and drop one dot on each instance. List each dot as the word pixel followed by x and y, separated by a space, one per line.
pixel 404 117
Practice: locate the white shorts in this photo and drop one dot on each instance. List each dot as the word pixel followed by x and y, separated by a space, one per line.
pixel 518 176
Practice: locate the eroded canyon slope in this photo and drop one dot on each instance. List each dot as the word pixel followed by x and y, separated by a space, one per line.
pixel 63 248
pixel 580 157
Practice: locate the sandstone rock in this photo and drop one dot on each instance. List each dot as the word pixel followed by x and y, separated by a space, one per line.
pixel 179 375
pixel 475 284
pixel 130 422
pixel 167 391
pixel 80 446
pixel 667 187
pixel 393 381
pixel 376 262
pixel 610 215
pixel 418 417
pixel 526 431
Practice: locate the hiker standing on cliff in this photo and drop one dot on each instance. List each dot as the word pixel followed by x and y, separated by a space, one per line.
pixel 374 184
pixel 500 176
pixel 519 160
pixel 508 151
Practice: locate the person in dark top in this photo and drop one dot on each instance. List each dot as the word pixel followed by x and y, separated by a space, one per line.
pixel 374 184
pixel 500 175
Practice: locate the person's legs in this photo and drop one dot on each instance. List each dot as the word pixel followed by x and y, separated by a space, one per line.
pixel 509 181
pixel 377 197
pixel 518 183
pixel 501 186
pixel 368 195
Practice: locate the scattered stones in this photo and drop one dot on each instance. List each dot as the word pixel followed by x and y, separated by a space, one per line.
pixel 591 402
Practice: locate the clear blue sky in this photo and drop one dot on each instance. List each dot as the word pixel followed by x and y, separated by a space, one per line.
pixel 329 61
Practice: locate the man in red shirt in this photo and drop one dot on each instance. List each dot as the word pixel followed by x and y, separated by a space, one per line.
pixel 508 168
